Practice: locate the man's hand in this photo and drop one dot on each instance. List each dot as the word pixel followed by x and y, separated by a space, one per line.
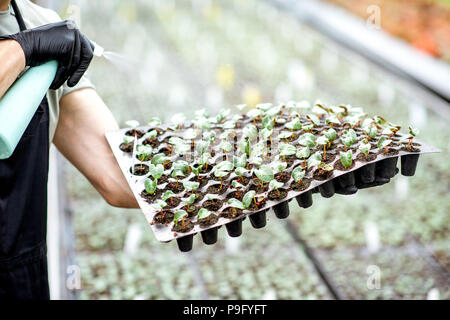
pixel 61 41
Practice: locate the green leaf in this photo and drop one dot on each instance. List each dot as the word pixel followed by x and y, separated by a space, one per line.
pixel 274 184
pixel 168 194
pixel 159 158
pixel 224 166
pixel 240 161
pixel 190 134
pixel 250 131
pixel 226 146
pixel 176 141
pixel 151 134
pixel 268 122
pixel 180 214
pixel 346 158
pixel 298 174
pixel 156 170
pixel 294 124
pixel 379 120
pixel 273 111
pixel 191 185
pixel 132 123
pixel 413 131
pixel 364 147
pixel 314 119
pixel 383 142
pixel 303 153
pixel 244 146
pixel 331 134
pixel 181 165
pixel 128 139
pixel 189 200
pixel 154 122
pixel 240 171
pixel 197 170
pixel 150 186
pixel 285 134
pixel 325 167
pixel 212 196
pixel 178 119
pixel 235 203
pixel 278 166
pixel 307 140
pixel 203 213
pixel 209 136
pixel 332 119
pixel 265 134
pixel 314 160
pixel 254 113
pixel 287 149
pixel 230 124
pixel 371 131
pixel 237 185
pixel 204 158
pixel 258 149
pixel 247 199
pixel 264 173
pixel 322 140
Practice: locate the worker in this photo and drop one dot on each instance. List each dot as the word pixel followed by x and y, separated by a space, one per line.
pixel 72 116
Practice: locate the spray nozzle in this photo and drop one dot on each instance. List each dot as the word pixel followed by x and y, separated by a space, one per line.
pixel 98 50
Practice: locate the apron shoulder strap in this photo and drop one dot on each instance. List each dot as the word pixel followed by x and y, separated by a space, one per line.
pixel 18 15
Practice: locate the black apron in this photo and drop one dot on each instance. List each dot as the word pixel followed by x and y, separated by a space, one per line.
pixel 23 210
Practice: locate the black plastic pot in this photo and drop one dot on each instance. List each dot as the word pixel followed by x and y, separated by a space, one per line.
pixel 281 210
pixel 409 164
pixel 366 173
pixel 234 228
pixel 305 199
pixel 185 243
pixel 327 189
pixel 209 236
pixel 386 168
pixel 347 180
pixel 258 220
pixel 345 191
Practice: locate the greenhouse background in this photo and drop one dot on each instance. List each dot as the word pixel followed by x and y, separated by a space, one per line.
pixel 179 56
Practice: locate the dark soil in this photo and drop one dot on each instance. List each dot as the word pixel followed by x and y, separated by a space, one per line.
pixel 188 226
pixel 370 157
pixel 242 180
pixel 202 180
pixel 134 132
pixel 320 174
pixel 164 217
pixel 126 147
pixel 152 142
pixel 391 152
pixel 140 169
pixel 329 157
pixel 300 186
pixel 172 202
pixel 213 205
pixel 231 213
pixel 208 221
pixel 216 189
pixel 277 194
pixel 256 186
pixel 338 166
pixel 258 205
pixel 283 176
pixel 172 186
pixel 151 197
pixel 411 149
pixel 236 194
pixel 192 210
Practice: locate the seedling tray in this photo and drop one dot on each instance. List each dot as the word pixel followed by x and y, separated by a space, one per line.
pixel 376 169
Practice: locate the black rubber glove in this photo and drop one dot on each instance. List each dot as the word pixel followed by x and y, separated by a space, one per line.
pixel 60 41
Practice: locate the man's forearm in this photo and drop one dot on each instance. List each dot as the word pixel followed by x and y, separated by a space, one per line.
pixel 12 62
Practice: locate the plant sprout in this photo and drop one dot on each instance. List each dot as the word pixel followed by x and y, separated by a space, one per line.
pixel 180 215
pixel 244 146
pixel 331 135
pixel 307 140
pixel 240 162
pixel 323 141
pixel 150 185
pixel 294 124
pixel 160 158
pixel 226 147
pixel 188 201
pixel 250 131
pixel 286 149
pixel 298 174
pixel 209 136
pixel 237 186
pixel 168 195
pixel 128 140
pixel 177 120
pixel 413 132
pixel 275 185
pixel 180 168
pixel 133 124
pixel 268 122
pixel 156 171
pixel 384 142
pixel 244 204
pixel 204 160
pixel 332 120
pixel 314 160
pixel 315 121
pixel 144 152
pixel 265 134
pixel 371 131
pixel 264 174
pixel 159 206
pixel 325 167
pixel 154 122
pixel 278 166
pixel 221 170
pixel 240 171
pixel 364 147
pixel 346 158
pixel 285 135
pixel 303 153
pixel 190 185
pixel 204 213
pixel 151 135
pixel 348 138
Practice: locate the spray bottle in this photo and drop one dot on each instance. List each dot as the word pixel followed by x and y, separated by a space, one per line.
pixel 21 101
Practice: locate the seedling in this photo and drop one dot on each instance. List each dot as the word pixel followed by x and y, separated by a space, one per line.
pixel 221 170
pixel 154 122
pixel 264 174
pixel 151 135
pixel 364 147
pixel 250 131
pixel 180 215
pixel 413 132
pixel 156 171
pixel 346 158
pixel 371 131
pixel 177 121
pixel 237 186
pixel 307 140
pixel 303 153
pixel 331 135
pixel 323 141
pixel 188 201
pixel 244 204
pixel 204 213
pixel 168 195
pixel 268 122
pixel 190 186
pixel 294 124
pixel 314 160
pixel 348 138
pixel 298 174
pixel 266 134
pixel 275 185
pixel 159 206
pixel 160 158
pixel 315 121
pixel 240 162
pixel 144 152
pixel 244 146
pixel 204 160
pixel 150 185
pixel 133 124
pixel 332 120
pixel 391 130
pixel 384 142
pixel 179 169
pixel 128 140
pixel 226 147
pixel 285 135
pixel 278 166
pixel 286 150
pixel 240 171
